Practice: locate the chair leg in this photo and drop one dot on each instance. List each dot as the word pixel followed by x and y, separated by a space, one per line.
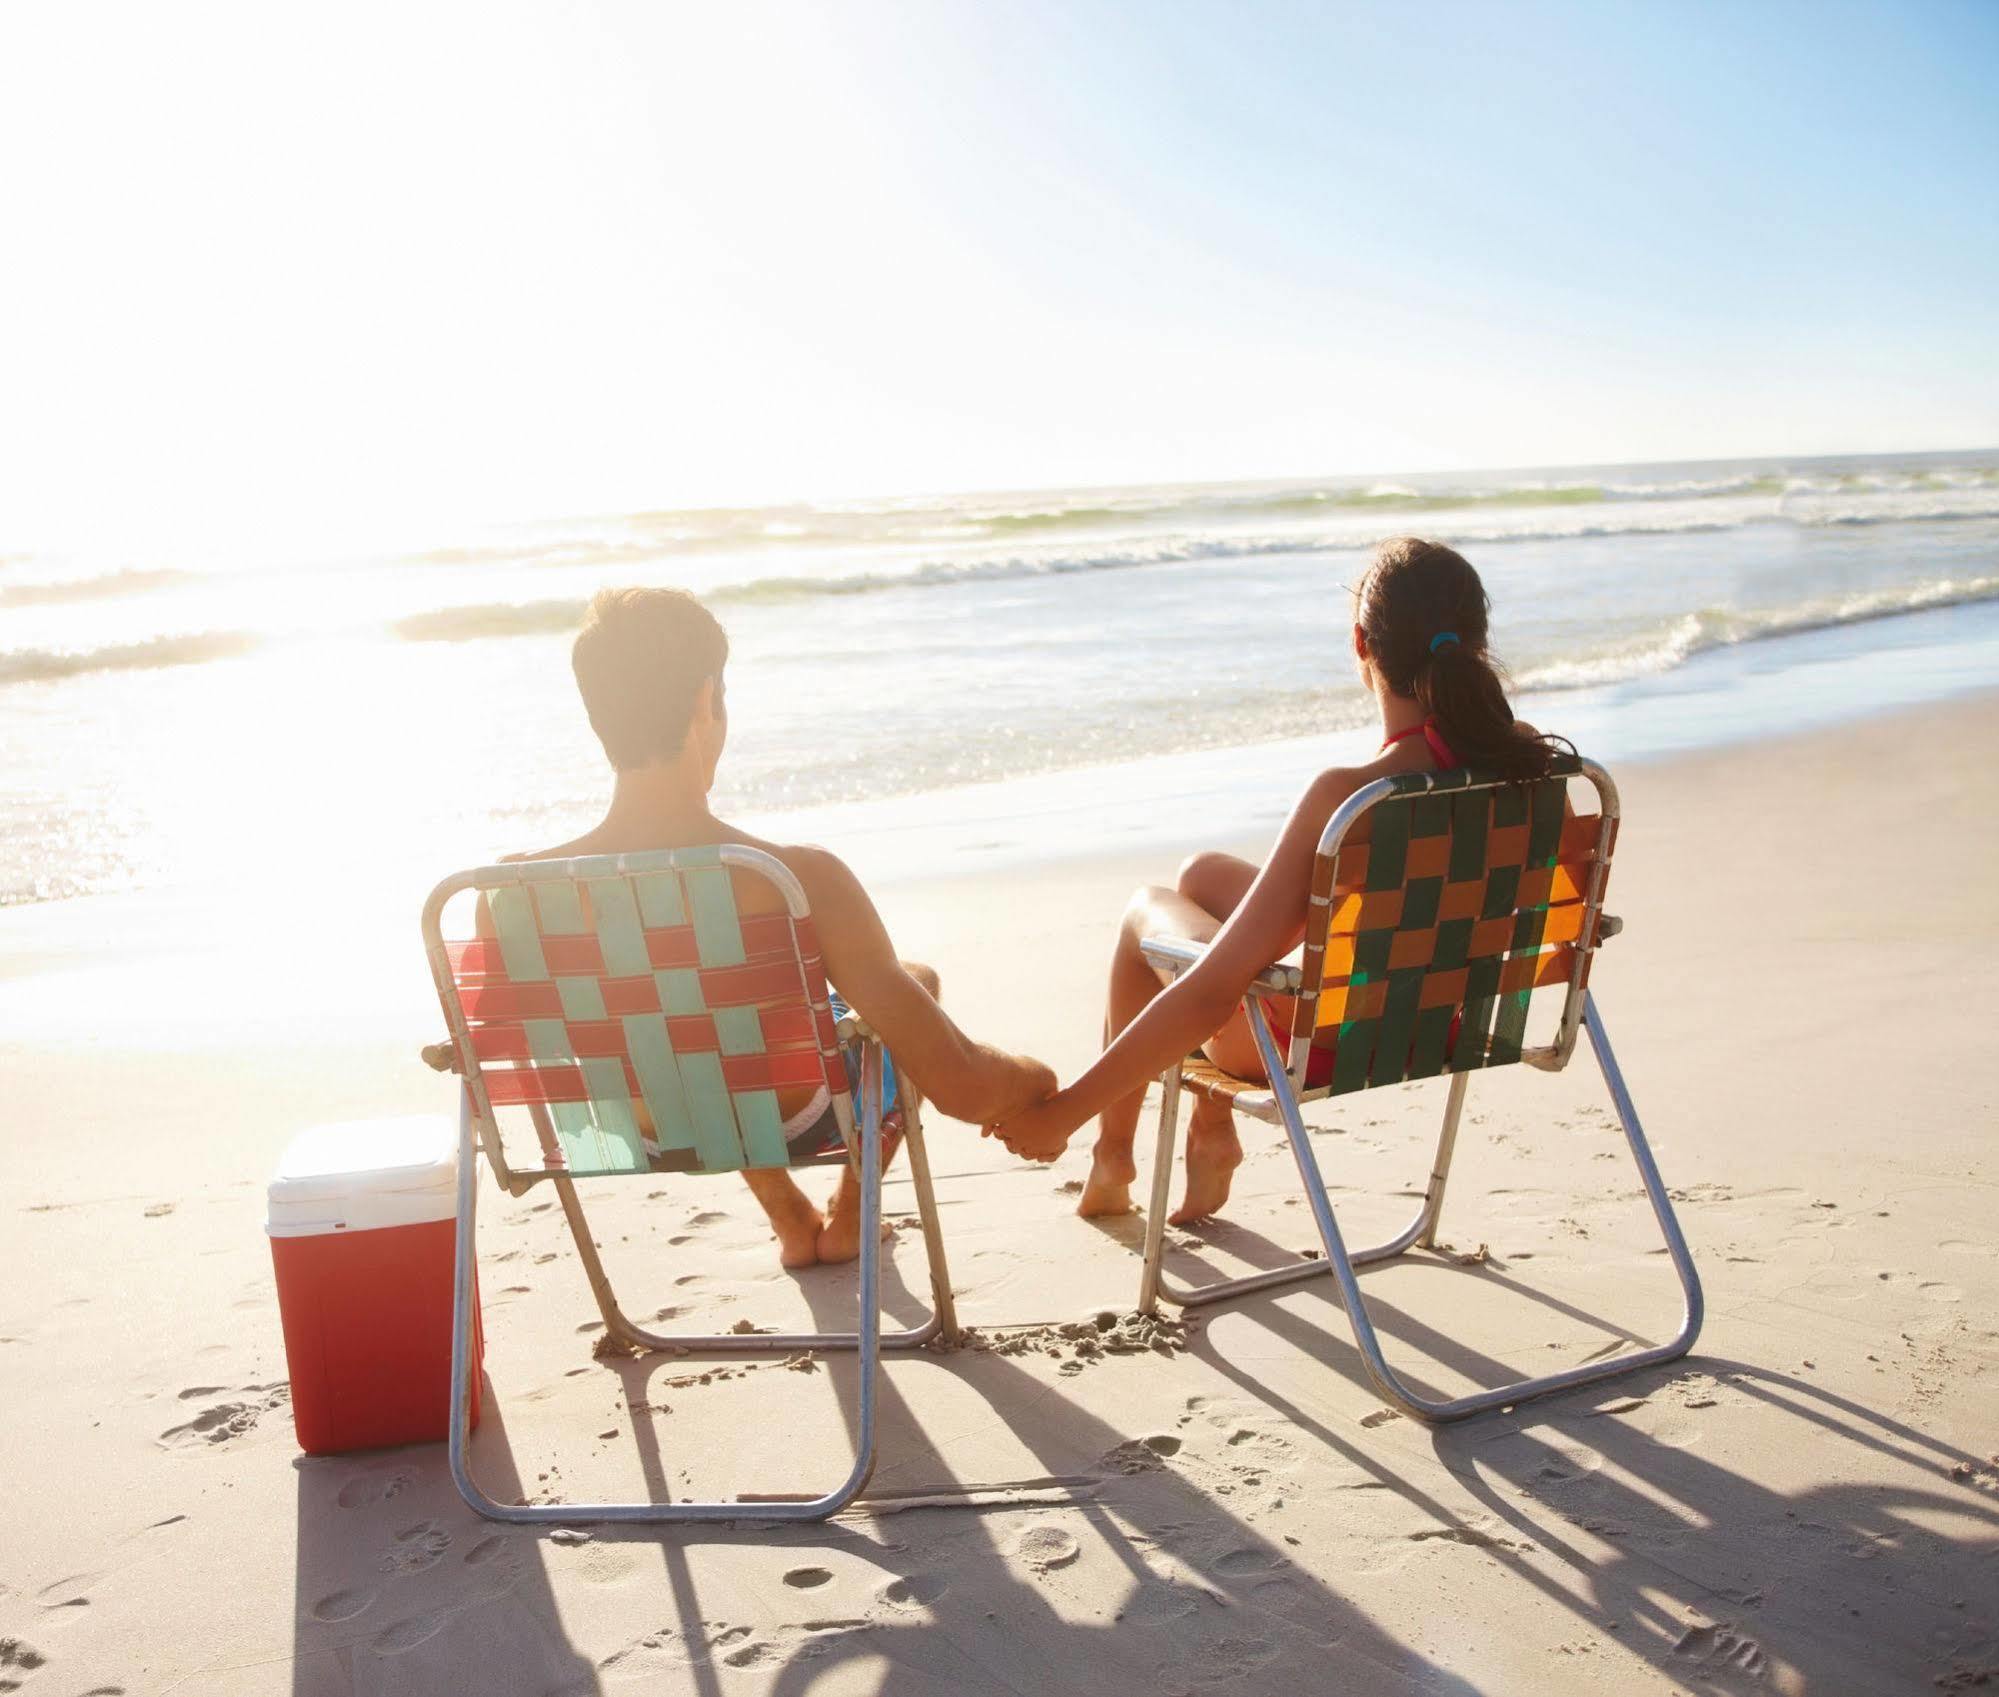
pixel 1440 1168
pixel 943 1304
pixel 1386 1380
pixel 1153 1279
pixel 868 1341
pixel 586 1252
pixel 1162 1188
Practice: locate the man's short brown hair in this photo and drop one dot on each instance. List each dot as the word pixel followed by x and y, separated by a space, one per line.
pixel 640 661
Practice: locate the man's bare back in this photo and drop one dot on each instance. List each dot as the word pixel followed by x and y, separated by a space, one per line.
pixel 649 665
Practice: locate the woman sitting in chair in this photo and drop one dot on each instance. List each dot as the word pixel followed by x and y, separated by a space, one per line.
pixel 1419 639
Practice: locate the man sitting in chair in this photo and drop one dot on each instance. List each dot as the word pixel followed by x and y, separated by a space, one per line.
pixel 649 664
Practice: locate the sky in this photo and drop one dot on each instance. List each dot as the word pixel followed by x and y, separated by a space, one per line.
pixel 274 272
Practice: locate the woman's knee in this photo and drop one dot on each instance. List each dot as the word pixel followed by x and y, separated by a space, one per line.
pixel 1214 880
pixel 1141 913
pixel 927 977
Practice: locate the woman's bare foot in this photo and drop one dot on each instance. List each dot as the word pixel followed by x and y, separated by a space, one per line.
pixel 1108 1189
pixel 1213 1154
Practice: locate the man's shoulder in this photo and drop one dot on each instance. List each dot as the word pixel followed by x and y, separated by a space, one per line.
pixel 824 874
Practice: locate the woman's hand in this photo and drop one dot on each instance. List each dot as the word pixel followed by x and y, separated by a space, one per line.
pixel 1041 1132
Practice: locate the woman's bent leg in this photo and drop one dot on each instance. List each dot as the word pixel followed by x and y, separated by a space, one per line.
pixel 1154 911
pixel 1207 891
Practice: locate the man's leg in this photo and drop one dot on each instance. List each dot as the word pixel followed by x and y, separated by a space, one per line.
pixel 840 1239
pixel 1207 891
pixel 793 1217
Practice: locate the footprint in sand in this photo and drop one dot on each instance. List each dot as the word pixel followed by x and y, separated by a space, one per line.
pixel 707 1217
pixel 1045 1548
pixel 69 1593
pixel 15 1653
pixel 342 1605
pixel 1262 1450
pixel 223 1421
pixel 406 1635
pixel 1239 1564
pixel 373 1487
pixel 416 1548
pixel 669 1647
pixel 913 1591
pixel 1219 1659
pixel 1153 1605
pixel 1720 1647
pixel 808 1578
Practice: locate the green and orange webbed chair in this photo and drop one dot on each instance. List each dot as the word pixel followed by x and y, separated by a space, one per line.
pixel 1441 902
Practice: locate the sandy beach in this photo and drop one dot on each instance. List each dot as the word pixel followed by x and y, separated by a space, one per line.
pixel 1802 1001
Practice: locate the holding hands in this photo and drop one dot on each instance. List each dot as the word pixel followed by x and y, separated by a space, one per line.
pixel 1041 1131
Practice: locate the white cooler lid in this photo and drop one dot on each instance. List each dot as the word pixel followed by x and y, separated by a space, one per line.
pixel 365 1173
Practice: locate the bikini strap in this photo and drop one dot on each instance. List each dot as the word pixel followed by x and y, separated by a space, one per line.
pixel 1439 749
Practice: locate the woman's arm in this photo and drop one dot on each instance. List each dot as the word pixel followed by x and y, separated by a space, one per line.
pixel 1267 925
pixel 964 1079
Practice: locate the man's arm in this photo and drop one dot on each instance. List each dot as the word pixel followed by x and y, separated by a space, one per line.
pixel 963 1078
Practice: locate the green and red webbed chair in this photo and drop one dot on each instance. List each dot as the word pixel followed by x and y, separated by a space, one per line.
pixel 615 981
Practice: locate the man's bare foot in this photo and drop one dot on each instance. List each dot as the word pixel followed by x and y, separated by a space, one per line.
pixel 799 1227
pixel 1212 1158
pixel 840 1240
pixel 1108 1189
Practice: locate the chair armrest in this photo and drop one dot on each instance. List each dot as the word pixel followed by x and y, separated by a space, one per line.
pixel 1176 954
pixel 1607 925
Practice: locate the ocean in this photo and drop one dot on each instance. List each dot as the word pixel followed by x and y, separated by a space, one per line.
pixel 378 720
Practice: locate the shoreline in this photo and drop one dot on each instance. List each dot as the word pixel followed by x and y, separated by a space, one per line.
pixel 1770 689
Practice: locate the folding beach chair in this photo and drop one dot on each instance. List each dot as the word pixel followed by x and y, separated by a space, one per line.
pixel 1440 902
pixel 619 979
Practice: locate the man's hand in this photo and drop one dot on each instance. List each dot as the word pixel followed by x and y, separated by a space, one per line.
pixel 1041 1132
pixel 1010 1084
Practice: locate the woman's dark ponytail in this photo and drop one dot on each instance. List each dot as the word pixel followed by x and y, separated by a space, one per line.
pixel 1423 611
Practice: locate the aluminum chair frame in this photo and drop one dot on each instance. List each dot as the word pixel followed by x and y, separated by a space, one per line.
pixel 1283 1104
pixel 479 1133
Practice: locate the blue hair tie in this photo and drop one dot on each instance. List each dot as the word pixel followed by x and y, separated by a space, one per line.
pixel 1442 637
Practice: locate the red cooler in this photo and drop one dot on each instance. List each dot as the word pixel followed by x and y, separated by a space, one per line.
pixel 362 1233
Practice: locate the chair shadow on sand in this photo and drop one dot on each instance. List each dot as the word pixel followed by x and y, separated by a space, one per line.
pixel 1711 1576
pixel 1715 1576
pixel 977 1604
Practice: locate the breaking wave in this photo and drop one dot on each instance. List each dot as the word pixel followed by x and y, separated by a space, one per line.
pixel 29 665
pixel 1715 627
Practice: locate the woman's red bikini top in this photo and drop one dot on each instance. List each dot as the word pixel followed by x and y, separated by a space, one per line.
pixel 1446 760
